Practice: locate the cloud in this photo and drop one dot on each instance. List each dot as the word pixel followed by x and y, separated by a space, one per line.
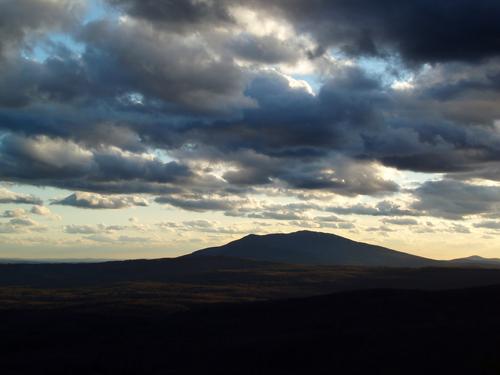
pixel 458 228
pixel 383 208
pixel 21 225
pixel 334 141
pixel 66 164
pixel 276 215
pixel 189 102
pixel 81 229
pixel 7 196
pixel 455 199
pixel 357 28
pixel 44 211
pixel 96 201
pixel 291 211
pixel 488 224
pixel 210 227
pixel 23 222
pixel 180 16
pixel 382 229
pixel 109 239
pixel 16 213
pixel 390 26
pixel 40 210
pixel 267 49
pixel 198 204
pixel 329 219
pixel 134 239
pixel 334 225
pixel 92 229
pixel 21 18
pixel 400 221
pixel 6 228
pixel 181 71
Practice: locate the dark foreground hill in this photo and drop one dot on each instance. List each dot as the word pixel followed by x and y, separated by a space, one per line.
pixel 216 314
pixel 366 332
pixel 179 284
pixel 317 248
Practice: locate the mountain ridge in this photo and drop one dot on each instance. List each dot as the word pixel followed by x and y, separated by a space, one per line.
pixel 315 248
pixel 476 260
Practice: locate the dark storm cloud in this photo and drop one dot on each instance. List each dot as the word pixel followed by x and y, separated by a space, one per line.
pixel 352 114
pixel 178 15
pixel 180 74
pixel 290 136
pixel 131 57
pixel 455 200
pixel 291 125
pixel 52 161
pixel 267 49
pixel 349 114
pixel 25 81
pixel 346 178
pixel 420 30
pixel 166 78
pixel 466 86
pixel 20 18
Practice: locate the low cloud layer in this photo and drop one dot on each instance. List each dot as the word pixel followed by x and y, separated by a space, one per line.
pixel 96 201
pixel 7 196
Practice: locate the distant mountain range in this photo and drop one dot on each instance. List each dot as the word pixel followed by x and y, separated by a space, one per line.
pixel 477 260
pixel 51 260
pixel 315 248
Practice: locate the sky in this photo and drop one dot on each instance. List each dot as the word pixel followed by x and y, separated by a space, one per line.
pixel 143 129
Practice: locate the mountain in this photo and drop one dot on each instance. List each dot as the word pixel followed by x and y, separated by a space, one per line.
pixel 477 260
pixel 315 248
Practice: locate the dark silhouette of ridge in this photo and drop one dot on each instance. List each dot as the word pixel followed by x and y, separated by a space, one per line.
pixel 389 332
pixel 158 270
pixel 52 260
pixel 476 261
pixel 315 248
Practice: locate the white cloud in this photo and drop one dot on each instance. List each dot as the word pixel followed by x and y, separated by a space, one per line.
pixel 15 213
pixel 98 201
pixel 7 196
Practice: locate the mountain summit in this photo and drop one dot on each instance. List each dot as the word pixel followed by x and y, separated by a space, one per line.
pixel 315 248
